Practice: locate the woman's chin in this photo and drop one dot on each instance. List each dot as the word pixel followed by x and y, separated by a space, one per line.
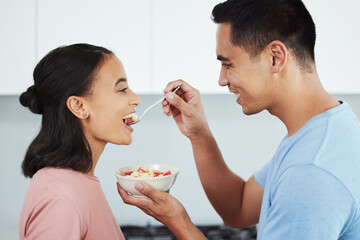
pixel 122 141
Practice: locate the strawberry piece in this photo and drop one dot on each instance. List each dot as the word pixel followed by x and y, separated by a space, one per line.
pixel 142 170
pixel 167 173
pixel 128 173
pixel 157 174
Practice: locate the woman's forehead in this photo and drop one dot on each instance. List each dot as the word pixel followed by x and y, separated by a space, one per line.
pixel 111 70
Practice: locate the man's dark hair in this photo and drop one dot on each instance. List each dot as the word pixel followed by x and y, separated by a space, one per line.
pixel 255 23
pixel 65 71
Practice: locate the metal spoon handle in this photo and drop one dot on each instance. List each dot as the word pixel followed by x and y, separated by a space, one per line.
pixel 159 101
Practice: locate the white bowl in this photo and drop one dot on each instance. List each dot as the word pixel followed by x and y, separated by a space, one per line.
pixel 163 183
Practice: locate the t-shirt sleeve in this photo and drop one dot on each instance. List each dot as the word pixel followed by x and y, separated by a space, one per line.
pixel 53 218
pixel 260 175
pixel 308 203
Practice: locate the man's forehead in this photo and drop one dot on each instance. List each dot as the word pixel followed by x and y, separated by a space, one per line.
pixel 223 41
pixel 223 31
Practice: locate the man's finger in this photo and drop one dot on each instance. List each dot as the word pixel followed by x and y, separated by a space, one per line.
pixel 123 194
pixel 185 87
pixel 147 190
pixel 172 85
pixel 132 200
pixel 177 102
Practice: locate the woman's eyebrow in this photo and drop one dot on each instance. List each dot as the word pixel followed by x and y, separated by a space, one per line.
pixel 120 80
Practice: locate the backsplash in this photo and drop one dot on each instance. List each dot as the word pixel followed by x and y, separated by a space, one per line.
pixel 247 142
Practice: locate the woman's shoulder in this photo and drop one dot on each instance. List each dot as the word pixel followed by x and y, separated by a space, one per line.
pixel 51 181
pixel 63 175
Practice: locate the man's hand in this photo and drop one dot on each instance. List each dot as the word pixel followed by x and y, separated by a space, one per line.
pixel 186 108
pixel 164 208
pixel 160 205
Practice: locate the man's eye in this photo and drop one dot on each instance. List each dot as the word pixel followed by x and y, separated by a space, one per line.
pixel 226 65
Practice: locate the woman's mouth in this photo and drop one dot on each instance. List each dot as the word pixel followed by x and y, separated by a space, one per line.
pixel 130 118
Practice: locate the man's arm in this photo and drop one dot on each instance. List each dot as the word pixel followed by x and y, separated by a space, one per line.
pixel 238 202
pixel 164 208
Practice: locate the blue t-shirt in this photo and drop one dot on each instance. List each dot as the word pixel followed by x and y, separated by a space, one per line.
pixel 312 184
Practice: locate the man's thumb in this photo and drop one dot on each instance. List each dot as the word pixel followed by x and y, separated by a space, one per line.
pixel 145 189
pixel 175 100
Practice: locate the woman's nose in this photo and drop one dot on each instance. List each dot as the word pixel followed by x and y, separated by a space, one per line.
pixel 135 100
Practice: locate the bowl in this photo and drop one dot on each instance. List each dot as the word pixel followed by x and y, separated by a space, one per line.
pixel 162 183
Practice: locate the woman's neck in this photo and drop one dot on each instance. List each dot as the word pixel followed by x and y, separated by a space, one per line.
pixel 96 148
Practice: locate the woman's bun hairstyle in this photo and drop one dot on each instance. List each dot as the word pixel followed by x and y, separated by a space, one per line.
pixel 28 99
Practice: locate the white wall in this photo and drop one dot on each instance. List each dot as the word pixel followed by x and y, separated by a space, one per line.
pixel 337 47
pixel 160 40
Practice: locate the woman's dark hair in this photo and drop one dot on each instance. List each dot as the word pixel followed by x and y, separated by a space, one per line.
pixel 65 71
pixel 255 23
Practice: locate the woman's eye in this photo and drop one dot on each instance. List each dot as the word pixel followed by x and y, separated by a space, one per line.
pixel 123 90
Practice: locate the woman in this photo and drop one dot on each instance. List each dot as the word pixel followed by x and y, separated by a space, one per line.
pixel 83 95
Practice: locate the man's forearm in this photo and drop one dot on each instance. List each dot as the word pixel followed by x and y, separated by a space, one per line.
pixel 187 232
pixel 222 187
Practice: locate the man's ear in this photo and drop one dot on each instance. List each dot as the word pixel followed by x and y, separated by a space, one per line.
pixel 76 105
pixel 279 54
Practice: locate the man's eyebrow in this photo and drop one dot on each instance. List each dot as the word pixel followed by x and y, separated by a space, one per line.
pixel 222 58
pixel 120 80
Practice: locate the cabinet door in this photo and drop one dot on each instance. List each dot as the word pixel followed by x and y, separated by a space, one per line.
pixel 121 26
pixel 17 45
pixel 337 47
pixel 184 38
pixel 184 44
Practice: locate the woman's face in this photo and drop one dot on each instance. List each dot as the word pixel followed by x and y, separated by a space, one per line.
pixel 110 100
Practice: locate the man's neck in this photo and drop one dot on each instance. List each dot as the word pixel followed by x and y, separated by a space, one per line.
pixel 301 101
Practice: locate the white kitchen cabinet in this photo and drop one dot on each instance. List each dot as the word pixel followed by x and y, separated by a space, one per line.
pixel 337 47
pixel 17 45
pixel 183 44
pixel 159 40
pixel 121 26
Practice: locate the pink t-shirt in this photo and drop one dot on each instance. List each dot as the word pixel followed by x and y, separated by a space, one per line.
pixel 65 204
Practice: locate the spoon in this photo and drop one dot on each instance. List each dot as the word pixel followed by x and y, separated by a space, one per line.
pixel 159 101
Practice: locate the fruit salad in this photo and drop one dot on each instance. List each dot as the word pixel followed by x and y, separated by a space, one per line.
pixel 144 172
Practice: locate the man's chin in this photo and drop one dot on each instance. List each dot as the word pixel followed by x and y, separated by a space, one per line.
pixel 250 111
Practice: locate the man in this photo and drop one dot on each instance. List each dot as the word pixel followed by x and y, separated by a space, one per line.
pixel 309 189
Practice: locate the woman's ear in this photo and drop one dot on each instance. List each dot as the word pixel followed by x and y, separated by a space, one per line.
pixel 279 54
pixel 76 105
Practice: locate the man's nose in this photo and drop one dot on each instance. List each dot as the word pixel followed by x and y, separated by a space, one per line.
pixel 223 78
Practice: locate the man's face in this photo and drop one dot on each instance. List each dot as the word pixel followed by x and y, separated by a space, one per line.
pixel 248 78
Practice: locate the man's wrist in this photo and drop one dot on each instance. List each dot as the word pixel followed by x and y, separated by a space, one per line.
pixel 201 136
pixel 184 229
